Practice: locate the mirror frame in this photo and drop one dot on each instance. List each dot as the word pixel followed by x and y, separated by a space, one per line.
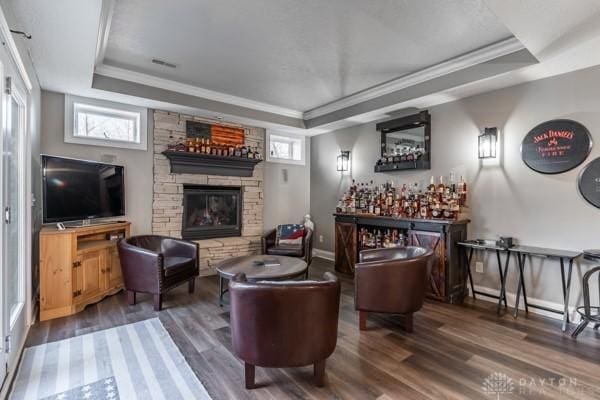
pixel 423 119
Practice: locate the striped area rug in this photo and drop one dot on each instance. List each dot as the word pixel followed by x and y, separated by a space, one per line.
pixel 133 361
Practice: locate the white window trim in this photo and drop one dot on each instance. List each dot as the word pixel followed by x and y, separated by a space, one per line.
pixel 70 136
pixel 269 158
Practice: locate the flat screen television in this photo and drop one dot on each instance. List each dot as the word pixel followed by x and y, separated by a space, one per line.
pixel 81 190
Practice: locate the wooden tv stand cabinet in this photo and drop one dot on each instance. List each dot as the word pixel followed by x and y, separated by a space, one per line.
pixel 78 266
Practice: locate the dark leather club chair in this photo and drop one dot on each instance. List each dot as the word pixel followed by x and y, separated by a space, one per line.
pixel 154 264
pixel 392 281
pixel 284 324
pixel 305 252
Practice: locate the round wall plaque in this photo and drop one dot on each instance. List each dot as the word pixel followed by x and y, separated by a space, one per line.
pixel 556 146
pixel 589 182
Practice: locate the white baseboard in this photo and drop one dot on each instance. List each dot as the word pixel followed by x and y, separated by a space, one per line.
pixel 327 255
pixel 574 317
pixel 511 297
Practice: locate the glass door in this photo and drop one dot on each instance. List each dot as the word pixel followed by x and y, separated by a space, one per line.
pixel 4 319
pixel 12 205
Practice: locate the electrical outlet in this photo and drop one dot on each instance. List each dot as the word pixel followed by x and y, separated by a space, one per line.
pixel 320 238
pixel 479 267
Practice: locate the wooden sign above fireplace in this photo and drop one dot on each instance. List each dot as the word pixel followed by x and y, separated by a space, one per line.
pixel 217 134
pixel 219 150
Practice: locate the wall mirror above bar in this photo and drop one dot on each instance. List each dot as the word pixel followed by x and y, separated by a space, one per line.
pixel 405 143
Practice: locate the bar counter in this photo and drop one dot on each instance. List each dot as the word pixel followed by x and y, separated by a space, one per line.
pixel 448 277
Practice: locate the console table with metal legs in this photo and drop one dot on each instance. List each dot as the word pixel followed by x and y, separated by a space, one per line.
pixel 472 245
pixel 522 253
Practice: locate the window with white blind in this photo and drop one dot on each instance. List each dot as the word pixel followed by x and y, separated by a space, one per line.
pixel 104 123
pixel 285 148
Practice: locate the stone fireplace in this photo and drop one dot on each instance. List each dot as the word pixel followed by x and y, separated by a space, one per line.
pixel 211 212
pixel 168 212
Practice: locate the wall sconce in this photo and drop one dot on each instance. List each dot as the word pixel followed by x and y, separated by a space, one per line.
pixel 343 160
pixel 488 141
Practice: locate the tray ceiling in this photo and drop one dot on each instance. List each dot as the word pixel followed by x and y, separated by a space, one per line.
pixel 297 55
pixel 301 66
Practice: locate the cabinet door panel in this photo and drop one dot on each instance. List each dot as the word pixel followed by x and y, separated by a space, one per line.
pixel 92 274
pixel 345 247
pixel 435 242
pixel 114 268
pixel 55 272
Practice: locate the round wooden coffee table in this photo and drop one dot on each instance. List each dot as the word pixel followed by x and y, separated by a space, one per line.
pixel 288 267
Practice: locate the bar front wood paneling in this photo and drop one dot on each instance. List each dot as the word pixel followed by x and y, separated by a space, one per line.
pixel 448 277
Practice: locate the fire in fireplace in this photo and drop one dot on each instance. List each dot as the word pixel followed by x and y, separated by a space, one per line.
pixel 211 211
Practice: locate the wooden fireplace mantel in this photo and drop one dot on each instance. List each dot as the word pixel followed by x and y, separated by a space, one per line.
pixel 194 163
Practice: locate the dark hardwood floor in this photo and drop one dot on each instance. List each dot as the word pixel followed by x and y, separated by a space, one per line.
pixel 451 353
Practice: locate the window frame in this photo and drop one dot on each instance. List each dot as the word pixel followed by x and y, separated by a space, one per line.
pixel 70 123
pixel 270 158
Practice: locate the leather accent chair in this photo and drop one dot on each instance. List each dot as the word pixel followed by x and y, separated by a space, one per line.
pixel 154 264
pixel 270 247
pixel 392 281
pixel 284 324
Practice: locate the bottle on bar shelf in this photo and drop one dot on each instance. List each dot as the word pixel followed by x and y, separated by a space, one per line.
pixel 372 238
pixel 398 152
pixel 442 201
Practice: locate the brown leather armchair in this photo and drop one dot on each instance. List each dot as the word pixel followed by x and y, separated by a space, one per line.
pixel 284 324
pixel 305 252
pixel 154 264
pixel 392 281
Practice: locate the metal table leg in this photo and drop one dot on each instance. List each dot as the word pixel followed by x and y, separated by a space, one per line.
pixel 522 266
pixel 562 277
pixel 564 286
pixel 468 268
pixel 502 296
pixel 567 293
pixel 519 285
pixel 518 298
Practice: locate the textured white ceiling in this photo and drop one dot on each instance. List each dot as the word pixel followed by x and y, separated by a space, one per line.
pixel 64 34
pixel 295 54
pixel 563 34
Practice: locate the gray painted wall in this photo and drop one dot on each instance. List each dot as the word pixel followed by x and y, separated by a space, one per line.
pixel 506 197
pixel 138 163
pixel 286 201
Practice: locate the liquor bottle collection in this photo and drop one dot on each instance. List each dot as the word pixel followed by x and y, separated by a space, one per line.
pixel 205 146
pixel 436 201
pixel 400 153
pixel 369 238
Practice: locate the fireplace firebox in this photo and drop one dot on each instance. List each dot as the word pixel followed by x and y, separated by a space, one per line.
pixel 211 212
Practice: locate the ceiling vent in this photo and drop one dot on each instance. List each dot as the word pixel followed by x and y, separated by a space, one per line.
pixel 163 63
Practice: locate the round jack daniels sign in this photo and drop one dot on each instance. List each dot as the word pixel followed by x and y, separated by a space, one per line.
pixel 556 146
pixel 589 182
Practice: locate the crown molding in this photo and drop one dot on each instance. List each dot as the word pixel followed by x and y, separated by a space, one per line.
pixel 482 55
pixel 167 84
pixel 473 58
pixel 11 46
pixel 106 14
